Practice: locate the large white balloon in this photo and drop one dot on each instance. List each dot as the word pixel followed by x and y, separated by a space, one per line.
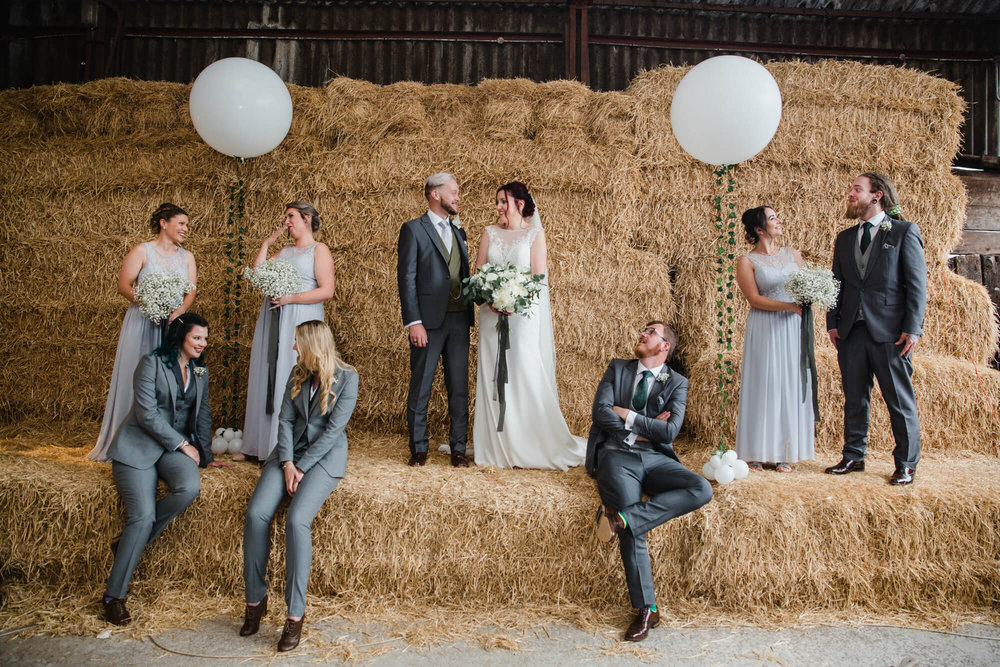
pixel 240 107
pixel 726 110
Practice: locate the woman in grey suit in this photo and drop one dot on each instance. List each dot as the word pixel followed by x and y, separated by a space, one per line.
pixel 166 435
pixel 308 461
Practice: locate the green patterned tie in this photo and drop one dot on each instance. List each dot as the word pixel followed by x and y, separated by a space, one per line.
pixel 641 392
pixel 866 237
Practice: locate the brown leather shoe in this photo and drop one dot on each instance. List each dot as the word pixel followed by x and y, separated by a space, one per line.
pixel 418 458
pixel 291 635
pixel 459 460
pixel 903 475
pixel 644 621
pixel 252 616
pixel 115 612
pixel 845 466
pixel 609 523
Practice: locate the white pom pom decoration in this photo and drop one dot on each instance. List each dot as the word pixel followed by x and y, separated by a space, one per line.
pixel 219 445
pixel 724 475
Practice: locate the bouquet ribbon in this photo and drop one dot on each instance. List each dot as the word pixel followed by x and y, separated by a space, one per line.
pixel 503 344
pixel 272 358
pixel 807 358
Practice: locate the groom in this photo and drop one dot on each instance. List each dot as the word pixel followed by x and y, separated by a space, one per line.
pixel 877 321
pixel 432 261
pixel 637 412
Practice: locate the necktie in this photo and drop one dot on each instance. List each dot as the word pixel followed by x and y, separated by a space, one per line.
pixel 641 392
pixel 442 228
pixel 866 237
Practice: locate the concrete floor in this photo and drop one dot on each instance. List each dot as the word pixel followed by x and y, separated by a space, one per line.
pixel 217 643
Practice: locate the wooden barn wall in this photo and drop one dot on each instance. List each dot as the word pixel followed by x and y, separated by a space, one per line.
pixel 452 49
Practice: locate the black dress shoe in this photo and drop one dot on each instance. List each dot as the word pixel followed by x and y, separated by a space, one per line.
pixel 115 612
pixel 418 458
pixel 845 466
pixel 644 621
pixel 459 460
pixel 252 616
pixel 903 475
pixel 291 634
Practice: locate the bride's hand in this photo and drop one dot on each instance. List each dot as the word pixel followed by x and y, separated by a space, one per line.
pixel 500 312
pixel 795 308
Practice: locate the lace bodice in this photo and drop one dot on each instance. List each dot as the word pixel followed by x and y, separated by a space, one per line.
pixel 771 272
pixel 157 262
pixel 511 246
pixel 302 260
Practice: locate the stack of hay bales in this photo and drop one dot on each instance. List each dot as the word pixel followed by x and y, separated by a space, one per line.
pixel 630 227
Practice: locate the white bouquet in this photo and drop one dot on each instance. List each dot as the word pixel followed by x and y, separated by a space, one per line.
pixel 275 278
pixel 813 285
pixel 508 288
pixel 158 294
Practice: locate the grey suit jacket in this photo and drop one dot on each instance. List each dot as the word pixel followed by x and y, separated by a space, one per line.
pixel 893 292
pixel 422 273
pixel 147 432
pixel 324 432
pixel 615 388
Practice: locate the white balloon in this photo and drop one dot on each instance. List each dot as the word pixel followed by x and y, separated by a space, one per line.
pixel 715 461
pixel 740 469
pixel 730 457
pixel 219 445
pixel 726 110
pixel 234 445
pixel 229 434
pixel 708 470
pixel 219 431
pixel 239 433
pixel 240 107
pixel 724 475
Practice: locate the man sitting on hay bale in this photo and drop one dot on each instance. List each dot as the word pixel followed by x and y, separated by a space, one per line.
pixel 638 410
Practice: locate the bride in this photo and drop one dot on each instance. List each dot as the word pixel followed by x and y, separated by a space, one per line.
pixel 534 434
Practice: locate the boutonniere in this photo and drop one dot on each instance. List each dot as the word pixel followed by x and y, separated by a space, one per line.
pixel 200 371
pixel 455 221
pixel 885 225
pixel 662 377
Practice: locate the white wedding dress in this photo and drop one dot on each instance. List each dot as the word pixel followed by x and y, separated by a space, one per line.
pixel 534 433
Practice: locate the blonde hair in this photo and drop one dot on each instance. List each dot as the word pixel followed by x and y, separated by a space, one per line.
pixel 317 355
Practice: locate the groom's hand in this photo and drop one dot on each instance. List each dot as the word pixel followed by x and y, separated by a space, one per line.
pixel 418 335
pixel 908 341
pixel 621 412
pixel 834 336
pixel 664 416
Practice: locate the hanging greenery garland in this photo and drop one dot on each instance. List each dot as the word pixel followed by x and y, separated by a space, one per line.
pixel 725 270
pixel 233 295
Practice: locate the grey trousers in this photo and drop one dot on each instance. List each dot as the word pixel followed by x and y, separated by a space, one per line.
pixel 860 359
pixel 450 342
pixel 313 491
pixel 673 490
pixel 146 517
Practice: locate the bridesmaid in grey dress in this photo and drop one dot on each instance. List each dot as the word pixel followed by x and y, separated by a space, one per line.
pixel 266 383
pixel 774 424
pixel 139 336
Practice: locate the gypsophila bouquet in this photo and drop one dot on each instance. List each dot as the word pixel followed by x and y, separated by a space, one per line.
pixel 813 285
pixel 508 288
pixel 158 294
pixel 275 278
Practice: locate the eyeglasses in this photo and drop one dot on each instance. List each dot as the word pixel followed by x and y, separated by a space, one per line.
pixel 650 331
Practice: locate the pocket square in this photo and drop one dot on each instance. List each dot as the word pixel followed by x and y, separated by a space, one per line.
pixel 887 246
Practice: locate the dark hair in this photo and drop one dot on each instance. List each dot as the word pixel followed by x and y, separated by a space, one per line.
pixel 669 335
pixel 518 190
pixel 166 211
pixel 881 182
pixel 305 208
pixel 176 333
pixel 753 219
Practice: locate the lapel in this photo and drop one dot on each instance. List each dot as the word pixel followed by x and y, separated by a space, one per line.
pixel 876 249
pixel 625 381
pixel 657 388
pixel 197 393
pixel 848 249
pixel 431 231
pixel 461 244
pixel 171 383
